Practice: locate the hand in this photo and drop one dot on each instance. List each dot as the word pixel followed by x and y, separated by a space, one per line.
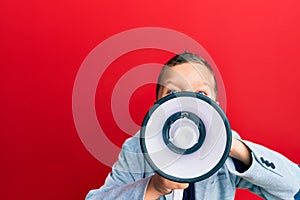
pixel 159 186
pixel 240 151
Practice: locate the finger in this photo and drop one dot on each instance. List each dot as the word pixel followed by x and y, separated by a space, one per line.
pixel 180 185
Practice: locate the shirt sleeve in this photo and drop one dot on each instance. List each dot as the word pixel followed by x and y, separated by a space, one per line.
pixel 271 175
pixel 129 176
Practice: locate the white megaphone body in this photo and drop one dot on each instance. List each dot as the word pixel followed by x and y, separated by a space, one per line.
pixel 185 137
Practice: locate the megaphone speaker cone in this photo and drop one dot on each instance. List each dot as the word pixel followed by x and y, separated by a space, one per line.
pixel 185 137
pixel 183 132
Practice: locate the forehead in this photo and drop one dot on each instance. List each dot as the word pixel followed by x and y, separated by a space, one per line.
pixel 187 73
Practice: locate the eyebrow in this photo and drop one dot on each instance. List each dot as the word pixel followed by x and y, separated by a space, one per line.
pixel 170 84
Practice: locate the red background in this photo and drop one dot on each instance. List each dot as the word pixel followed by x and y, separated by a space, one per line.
pixel 255 45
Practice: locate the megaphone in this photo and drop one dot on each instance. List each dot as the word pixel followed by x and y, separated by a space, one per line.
pixel 185 137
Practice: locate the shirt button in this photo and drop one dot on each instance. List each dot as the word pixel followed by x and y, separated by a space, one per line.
pixel 272 165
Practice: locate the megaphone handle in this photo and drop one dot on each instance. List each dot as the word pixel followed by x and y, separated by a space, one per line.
pixel 177 194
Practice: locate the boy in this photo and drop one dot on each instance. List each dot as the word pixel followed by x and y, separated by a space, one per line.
pixel 263 171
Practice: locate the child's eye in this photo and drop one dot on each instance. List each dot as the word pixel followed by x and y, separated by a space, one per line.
pixel 172 92
pixel 202 93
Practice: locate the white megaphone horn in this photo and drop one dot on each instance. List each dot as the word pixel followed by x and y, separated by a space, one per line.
pixel 185 137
